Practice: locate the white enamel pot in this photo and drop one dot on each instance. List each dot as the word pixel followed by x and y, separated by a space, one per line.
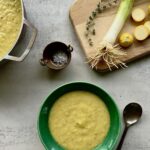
pixel 30 43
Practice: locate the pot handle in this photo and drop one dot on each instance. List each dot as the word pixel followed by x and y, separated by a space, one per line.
pixel 29 46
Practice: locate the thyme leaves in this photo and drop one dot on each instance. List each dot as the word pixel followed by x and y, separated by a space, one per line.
pixel 90 24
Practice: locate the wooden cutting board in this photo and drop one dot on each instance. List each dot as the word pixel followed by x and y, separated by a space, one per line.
pixel 79 13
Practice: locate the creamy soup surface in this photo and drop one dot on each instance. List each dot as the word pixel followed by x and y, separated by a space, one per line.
pixel 79 120
pixel 10 24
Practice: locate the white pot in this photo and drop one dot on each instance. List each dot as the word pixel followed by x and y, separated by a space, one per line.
pixel 31 41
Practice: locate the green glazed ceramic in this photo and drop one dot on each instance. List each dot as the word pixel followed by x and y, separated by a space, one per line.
pixel 113 135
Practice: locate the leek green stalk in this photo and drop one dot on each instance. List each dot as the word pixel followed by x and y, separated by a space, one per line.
pixel 107 50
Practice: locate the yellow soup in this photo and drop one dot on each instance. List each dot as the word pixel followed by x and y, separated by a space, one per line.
pixel 79 120
pixel 10 24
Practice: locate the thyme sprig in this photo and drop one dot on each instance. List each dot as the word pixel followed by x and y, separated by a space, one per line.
pixel 90 24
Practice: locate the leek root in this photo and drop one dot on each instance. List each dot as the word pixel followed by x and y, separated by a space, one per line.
pixel 107 50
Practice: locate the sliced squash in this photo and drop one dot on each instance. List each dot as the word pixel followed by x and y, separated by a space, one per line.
pixel 147 25
pixel 138 14
pixel 141 33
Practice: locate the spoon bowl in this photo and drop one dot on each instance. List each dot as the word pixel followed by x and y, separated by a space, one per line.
pixel 132 113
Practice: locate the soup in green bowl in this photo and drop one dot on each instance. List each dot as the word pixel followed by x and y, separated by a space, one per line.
pixel 79 116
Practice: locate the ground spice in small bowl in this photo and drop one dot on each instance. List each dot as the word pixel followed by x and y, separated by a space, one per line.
pixel 56 55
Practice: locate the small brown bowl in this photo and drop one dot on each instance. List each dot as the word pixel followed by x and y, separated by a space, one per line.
pixel 56 56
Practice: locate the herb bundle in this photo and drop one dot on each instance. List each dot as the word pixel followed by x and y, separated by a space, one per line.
pixel 90 24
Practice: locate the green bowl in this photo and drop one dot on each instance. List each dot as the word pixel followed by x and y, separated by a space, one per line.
pixel 113 135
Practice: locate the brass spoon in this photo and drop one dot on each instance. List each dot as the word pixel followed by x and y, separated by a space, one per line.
pixel 131 114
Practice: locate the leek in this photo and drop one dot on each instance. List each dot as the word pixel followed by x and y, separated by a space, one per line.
pixel 107 50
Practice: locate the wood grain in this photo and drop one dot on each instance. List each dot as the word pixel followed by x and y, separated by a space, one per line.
pixel 79 13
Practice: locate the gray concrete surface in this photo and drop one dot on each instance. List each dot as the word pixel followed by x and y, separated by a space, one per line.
pixel 24 86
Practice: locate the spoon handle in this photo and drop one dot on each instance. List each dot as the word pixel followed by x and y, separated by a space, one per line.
pixel 122 138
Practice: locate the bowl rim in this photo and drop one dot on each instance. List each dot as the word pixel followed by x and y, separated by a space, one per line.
pixel 104 145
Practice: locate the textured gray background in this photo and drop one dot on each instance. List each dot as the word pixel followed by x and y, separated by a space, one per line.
pixel 24 86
